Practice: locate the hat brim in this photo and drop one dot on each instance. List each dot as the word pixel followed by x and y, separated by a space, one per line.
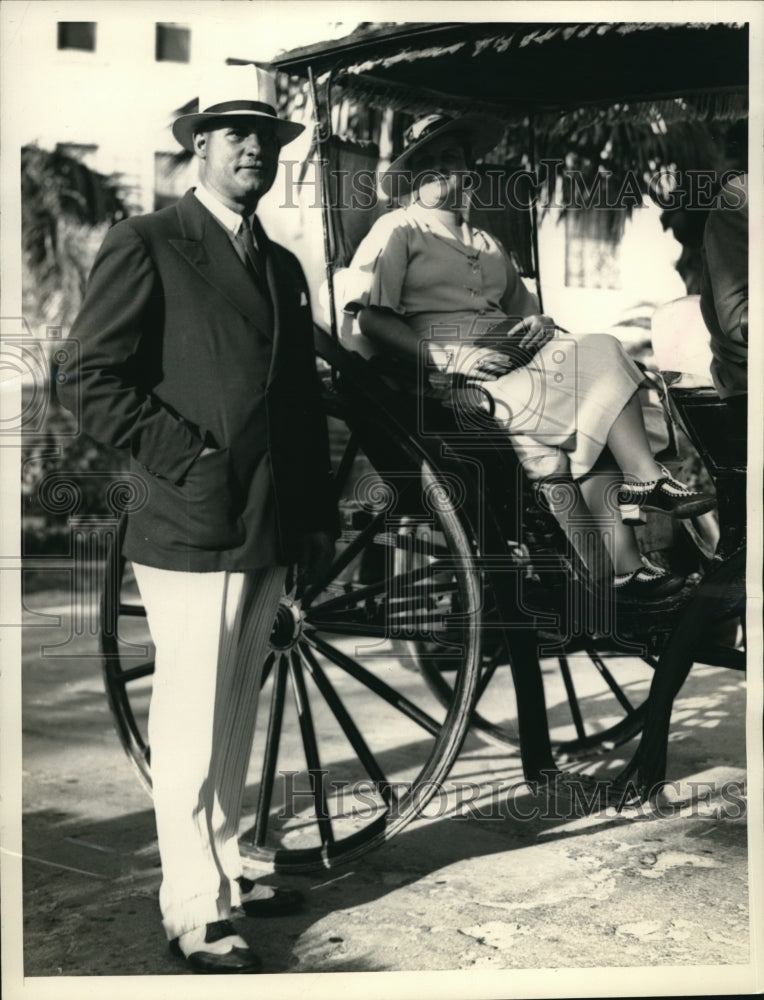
pixel 183 128
pixel 481 132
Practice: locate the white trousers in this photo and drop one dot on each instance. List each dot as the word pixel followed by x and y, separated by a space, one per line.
pixel 211 635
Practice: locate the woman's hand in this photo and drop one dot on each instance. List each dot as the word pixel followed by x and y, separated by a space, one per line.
pixel 489 365
pixel 529 336
pixel 536 330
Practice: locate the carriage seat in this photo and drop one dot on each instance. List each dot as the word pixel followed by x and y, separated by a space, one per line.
pixel 681 342
pixel 682 352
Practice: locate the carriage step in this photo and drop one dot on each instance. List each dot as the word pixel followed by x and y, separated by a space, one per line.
pixel 132 610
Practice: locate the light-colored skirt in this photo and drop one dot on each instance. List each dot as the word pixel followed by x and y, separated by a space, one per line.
pixel 559 408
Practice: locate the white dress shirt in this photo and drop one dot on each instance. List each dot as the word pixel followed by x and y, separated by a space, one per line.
pixel 230 221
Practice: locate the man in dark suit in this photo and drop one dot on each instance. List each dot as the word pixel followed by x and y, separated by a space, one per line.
pixel 724 291
pixel 724 305
pixel 196 356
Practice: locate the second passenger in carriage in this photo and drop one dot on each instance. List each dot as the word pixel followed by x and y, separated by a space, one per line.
pixel 570 408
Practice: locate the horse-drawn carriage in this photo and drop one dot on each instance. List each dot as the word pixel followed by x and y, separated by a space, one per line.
pixel 455 600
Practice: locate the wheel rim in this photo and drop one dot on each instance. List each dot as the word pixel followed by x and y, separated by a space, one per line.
pixel 350 745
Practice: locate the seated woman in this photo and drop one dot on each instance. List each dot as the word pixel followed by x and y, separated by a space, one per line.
pixel 423 279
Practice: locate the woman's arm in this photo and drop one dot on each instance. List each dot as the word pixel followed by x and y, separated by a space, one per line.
pixel 517 300
pixel 534 329
pixel 393 336
pixel 387 331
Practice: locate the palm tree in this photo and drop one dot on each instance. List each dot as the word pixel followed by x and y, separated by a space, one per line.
pixel 649 151
pixel 66 210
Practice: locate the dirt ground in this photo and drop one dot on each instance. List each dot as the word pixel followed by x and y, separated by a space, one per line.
pixel 479 894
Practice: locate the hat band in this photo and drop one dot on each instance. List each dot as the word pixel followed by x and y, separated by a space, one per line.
pixel 427 130
pixel 226 106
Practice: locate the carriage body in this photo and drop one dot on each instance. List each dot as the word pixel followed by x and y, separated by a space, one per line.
pixel 451 578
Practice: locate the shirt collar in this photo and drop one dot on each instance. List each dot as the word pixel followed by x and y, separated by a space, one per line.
pixel 428 214
pixel 440 222
pixel 229 219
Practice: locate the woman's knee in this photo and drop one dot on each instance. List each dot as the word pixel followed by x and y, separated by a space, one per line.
pixel 544 464
pixel 605 344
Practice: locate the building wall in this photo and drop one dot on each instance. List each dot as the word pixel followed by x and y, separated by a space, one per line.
pixel 646 278
pixel 119 98
pixel 115 106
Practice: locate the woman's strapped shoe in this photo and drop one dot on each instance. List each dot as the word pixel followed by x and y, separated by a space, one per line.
pixel 209 950
pixel 648 583
pixel 665 495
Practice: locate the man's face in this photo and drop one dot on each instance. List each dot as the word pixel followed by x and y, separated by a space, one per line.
pixel 239 161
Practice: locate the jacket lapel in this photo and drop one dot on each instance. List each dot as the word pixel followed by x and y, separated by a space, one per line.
pixel 208 250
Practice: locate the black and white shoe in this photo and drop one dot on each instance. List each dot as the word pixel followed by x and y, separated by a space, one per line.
pixel 647 583
pixel 665 496
pixel 216 949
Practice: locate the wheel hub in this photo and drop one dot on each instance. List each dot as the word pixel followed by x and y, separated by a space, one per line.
pixel 287 628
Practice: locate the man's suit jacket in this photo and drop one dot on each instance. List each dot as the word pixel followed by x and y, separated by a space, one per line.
pixel 724 287
pixel 180 348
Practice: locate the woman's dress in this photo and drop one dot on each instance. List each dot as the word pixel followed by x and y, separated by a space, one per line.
pixel 451 287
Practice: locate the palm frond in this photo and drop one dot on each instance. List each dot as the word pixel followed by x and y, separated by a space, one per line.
pixel 65 207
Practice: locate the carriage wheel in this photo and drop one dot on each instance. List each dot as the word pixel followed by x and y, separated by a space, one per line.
pixel 596 690
pixel 350 745
pixel 595 699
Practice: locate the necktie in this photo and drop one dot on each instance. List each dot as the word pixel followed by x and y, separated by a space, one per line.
pixel 253 256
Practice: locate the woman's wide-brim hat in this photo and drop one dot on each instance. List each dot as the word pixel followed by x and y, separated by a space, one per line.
pixel 479 132
pixel 240 91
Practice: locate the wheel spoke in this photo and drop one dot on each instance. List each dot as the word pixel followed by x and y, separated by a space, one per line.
pixel 270 756
pixel 340 626
pixel 346 462
pixel 489 671
pixel 611 682
pixel 426 547
pixel 349 728
pixel 379 687
pixel 395 626
pixel 575 708
pixel 317 775
pixel 402 585
pixel 267 667
pixel 345 557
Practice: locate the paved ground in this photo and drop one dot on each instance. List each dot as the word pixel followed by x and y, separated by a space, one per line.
pixel 478 894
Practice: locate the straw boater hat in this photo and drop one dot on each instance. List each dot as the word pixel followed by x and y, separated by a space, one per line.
pixel 480 132
pixel 244 91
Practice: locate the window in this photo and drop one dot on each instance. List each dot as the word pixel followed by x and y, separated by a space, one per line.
pixel 173 43
pixel 592 239
pixel 77 35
